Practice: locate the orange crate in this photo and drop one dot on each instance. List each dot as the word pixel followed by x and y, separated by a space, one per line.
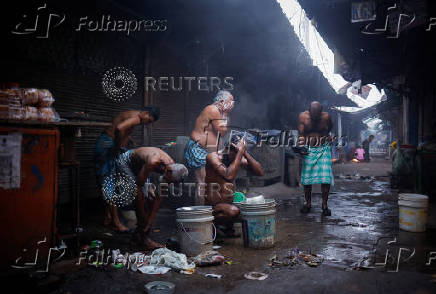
pixel 28 214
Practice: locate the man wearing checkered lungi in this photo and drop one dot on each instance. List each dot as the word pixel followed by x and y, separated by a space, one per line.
pixel 314 127
pixel 210 126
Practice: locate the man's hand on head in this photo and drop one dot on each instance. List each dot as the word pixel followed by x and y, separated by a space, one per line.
pixel 151 193
pixel 241 146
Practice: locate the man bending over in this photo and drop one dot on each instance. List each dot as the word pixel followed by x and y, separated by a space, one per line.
pixel 139 163
pixel 114 140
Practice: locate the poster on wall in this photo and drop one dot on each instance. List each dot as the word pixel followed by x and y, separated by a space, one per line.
pixel 363 11
pixel 10 161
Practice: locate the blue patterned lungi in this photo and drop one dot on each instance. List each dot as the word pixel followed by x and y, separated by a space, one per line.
pixel 317 166
pixel 195 155
pixel 104 157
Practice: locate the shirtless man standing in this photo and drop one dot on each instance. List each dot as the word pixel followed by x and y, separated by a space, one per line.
pixel 139 163
pixel 221 170
pixel 314 127
pixel 113 140
pixel 210 125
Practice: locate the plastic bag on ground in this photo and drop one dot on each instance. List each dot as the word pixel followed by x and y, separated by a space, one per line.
pixel 208 258
pixel 153 270
pixel 171 259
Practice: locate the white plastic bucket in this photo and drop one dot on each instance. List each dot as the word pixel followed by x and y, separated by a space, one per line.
pixel 196 231
pixel 259 224
pixel 413 212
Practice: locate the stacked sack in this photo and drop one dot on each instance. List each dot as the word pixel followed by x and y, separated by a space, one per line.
pixel 27 104
pixel 11 104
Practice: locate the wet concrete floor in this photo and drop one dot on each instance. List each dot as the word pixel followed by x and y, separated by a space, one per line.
pixel 364 219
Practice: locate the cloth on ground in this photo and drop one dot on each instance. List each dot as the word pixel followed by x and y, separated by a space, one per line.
pixel 208 258
pixel 153 270
pixel 168 258
pixel 317 166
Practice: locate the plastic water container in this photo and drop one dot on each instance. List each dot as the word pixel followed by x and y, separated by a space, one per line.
pixel 196 231
pixel 255 200
pixel 413 212
pixel 259 224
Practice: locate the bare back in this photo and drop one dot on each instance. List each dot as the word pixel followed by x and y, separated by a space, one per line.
pixel 218 189
pixel 119 119
pixel 149 159
pixel 316 130
pixel 208 125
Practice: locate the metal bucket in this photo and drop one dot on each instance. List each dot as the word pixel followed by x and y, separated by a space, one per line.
pixel 196 231
pixel 160 287
pixel 259 224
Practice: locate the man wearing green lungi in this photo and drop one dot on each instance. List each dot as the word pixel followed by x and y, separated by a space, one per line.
pixel 314 127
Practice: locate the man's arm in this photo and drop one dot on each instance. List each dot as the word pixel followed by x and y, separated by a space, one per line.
pixel 329 123
pixel 219 124
pixel 159 158
pixel 228 173
pixel 122 129
pixel 252 164
pixel 301 134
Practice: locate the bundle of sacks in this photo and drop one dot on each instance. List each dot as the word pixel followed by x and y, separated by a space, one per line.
pixel 27 104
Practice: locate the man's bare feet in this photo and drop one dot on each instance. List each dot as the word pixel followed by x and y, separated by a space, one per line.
pixel 142 239
pixel 107 218
pixel 120 228
pixel 150 244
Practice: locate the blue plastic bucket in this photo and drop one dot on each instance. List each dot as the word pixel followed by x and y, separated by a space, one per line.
pixel 259 224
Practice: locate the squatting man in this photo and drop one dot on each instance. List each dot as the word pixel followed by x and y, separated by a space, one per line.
pixel 221 170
